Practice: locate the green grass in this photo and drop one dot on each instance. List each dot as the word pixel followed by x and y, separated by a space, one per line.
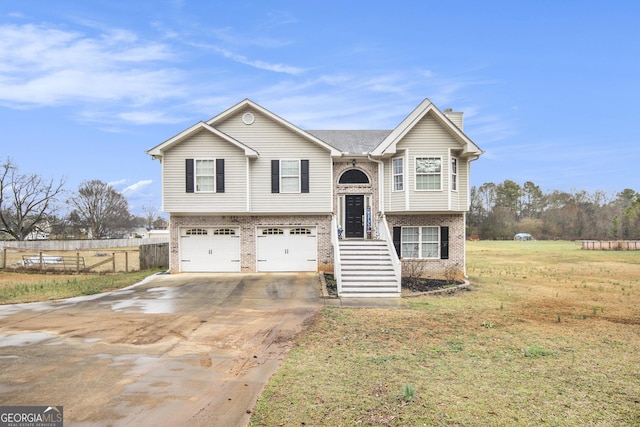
pixel 30 287
pixel 524 347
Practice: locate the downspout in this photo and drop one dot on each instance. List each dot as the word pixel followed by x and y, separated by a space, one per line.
pixel 465 214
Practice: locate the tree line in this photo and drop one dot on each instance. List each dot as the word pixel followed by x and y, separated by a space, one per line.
pixel 499 211
pixel 31 206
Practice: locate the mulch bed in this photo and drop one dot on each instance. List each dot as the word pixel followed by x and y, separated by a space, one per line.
pixel 414 285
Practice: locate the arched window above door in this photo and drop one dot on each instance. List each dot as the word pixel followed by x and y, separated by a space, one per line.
pixel 354 176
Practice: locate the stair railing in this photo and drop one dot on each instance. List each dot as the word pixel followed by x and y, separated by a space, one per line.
pixel 337 262
pixel 383 228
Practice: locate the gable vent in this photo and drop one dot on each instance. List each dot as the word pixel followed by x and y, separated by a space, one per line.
pixel 248 118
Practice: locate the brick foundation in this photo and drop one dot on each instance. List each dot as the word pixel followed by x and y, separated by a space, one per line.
pixel 452 268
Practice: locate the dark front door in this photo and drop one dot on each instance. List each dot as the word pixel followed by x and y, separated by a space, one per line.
pixel 354 214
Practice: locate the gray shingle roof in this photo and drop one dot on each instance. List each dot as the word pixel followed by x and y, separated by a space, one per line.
pixel 351 141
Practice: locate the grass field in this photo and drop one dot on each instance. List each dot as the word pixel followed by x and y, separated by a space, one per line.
pixel 31 287
pixel 548 335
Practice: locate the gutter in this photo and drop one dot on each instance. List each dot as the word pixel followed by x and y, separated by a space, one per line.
pixel 380 183
pixel 472 159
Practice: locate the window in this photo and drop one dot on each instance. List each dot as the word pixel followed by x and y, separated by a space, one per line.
pixel 299 231
pixel 272 232
pixel 420 242
pixel 289 176
pixel 196 232
pixel 205 175
pixel 224 232
pixel 454 174
pixel 398 174
pixel 353 176
pixel 428 173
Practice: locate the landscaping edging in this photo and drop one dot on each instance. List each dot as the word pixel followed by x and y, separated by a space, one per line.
pixel 466 286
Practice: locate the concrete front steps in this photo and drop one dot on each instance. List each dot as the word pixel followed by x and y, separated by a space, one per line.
pixel 367 269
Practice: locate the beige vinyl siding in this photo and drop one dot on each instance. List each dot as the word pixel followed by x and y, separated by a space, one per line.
pixel 275 142
pixel 459 199
pixel 204 145
pixel 428 138
pixel 395 200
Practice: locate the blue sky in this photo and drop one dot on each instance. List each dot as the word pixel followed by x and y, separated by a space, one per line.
pixel 549 89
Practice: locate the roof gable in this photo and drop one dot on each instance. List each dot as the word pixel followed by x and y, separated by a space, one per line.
pixel 158 151
pixel 389 145
pixel 248 103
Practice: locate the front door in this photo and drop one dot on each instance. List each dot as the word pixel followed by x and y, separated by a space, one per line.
pixel 354 216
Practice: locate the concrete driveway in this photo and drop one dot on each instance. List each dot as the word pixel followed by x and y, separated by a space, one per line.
pixel 187 349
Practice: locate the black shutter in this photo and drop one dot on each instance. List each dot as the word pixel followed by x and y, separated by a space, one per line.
pixel 275 176
pixel 189 175
pixel 304 176
pixel 397 240
pixel 219 175
pixel 444 242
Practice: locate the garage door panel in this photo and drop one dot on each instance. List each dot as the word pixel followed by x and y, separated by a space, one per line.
pixel 210 250
pixel 287 249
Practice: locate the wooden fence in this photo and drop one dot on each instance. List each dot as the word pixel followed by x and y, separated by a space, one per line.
pixel 100 261
pixel 154 256
pixel 75 245
pixel 611 245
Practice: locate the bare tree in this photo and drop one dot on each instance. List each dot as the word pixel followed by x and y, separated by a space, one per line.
pixel 100 208
pixel 150 214
pixel 26 201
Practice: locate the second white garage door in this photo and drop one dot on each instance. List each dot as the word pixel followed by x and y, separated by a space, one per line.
pixel 204 249
pixel 287 248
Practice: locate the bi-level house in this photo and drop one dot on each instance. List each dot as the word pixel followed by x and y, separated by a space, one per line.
pixel 247 191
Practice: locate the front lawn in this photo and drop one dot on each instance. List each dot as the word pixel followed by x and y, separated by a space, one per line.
pixel 548 335
pixel 32 287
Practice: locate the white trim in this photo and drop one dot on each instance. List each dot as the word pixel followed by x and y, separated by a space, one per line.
pixel 299 176
pixel 393 174
pixel 248 166
pixel 331 182
pixel 407 196
pixel 158 150
pixel 420 242
pixel 195 174
pixel 389 144
pixel 452 174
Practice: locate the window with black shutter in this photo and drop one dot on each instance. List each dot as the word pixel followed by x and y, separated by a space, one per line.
pixel 189 174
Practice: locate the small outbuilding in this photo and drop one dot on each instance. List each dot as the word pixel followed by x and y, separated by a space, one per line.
pixel 523 236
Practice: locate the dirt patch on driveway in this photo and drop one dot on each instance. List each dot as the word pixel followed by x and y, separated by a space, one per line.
pixel 178 350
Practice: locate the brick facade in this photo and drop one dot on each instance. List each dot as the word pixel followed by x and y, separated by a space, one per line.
pixel 454 267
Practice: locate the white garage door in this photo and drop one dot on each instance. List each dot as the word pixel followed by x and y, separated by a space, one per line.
pixel 287 249
pixel 205 249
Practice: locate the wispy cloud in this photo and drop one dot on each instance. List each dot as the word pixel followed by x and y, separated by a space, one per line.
pixel 136 187
pixel 41 65
pixel 256 63
pixel 117 183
